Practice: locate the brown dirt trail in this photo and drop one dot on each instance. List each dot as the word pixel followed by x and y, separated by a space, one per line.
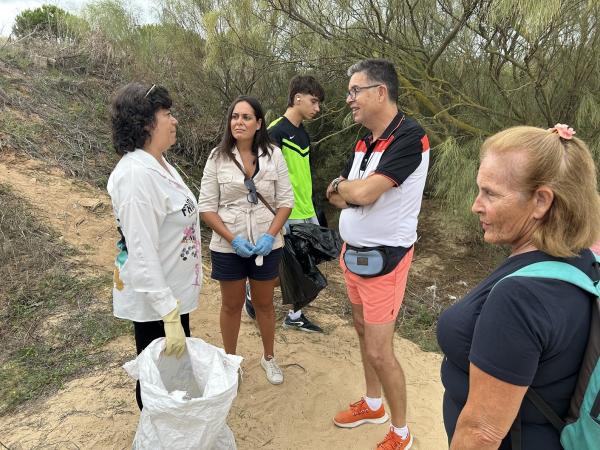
pixel 323 372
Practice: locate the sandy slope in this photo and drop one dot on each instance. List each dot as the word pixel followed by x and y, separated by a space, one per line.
pixel 323 372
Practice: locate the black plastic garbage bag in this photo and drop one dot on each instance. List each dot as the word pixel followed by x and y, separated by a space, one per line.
pixel 319 212
pixel 297 288
pixel 322 244
pixel 306 246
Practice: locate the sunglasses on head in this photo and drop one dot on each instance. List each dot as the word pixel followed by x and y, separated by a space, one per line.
pixel 252 196
pixel 150 90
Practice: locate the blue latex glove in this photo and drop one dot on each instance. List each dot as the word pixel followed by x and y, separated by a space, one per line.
pixel 242 247
pixel 264 245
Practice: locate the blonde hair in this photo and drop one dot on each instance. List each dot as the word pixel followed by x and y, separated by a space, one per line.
pixel 567 168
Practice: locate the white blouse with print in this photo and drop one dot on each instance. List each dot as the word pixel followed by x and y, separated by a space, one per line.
pixel 160 260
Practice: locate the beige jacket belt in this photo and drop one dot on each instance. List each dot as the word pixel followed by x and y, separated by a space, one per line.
pixel 222 191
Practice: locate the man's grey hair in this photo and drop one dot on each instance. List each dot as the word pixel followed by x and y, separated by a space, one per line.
pixel 379 71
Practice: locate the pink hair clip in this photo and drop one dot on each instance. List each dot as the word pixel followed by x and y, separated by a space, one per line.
pixel 563 130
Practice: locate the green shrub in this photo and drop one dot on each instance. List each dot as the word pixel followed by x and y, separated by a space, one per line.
pixel 453 177
pixel 47 20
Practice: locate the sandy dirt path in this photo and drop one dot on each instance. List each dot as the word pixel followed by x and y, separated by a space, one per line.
pixel 323 372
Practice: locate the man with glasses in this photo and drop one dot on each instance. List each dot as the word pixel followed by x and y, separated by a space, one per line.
pixel 304 97
pixel 379 192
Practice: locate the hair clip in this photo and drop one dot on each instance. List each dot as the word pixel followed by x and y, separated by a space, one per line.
pixel 563 130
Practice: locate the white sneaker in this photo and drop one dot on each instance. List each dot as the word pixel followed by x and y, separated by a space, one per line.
pixel 274 373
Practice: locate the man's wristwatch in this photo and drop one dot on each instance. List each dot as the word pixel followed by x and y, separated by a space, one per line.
pixel 335 183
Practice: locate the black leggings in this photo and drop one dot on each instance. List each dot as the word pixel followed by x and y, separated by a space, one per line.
pixel 145 333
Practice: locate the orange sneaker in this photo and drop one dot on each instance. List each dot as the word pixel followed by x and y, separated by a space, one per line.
pixel 359 413
pixel 394 442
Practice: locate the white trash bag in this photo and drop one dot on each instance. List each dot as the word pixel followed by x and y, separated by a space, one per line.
pixel 186 400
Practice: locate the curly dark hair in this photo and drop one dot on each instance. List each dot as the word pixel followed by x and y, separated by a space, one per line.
pixel 261 140
pixel 132 113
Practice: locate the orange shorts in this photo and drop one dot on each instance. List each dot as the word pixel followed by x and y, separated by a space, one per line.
pixel 380 297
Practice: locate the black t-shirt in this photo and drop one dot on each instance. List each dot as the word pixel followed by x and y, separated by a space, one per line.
pixel 528 332
pixel 297 137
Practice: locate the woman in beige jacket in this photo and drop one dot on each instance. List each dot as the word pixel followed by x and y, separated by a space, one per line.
pixel 246 197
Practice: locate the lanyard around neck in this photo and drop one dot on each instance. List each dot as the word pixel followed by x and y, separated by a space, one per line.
pixel 369 153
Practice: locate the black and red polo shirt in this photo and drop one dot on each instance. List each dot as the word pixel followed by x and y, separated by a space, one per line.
pixel 401 154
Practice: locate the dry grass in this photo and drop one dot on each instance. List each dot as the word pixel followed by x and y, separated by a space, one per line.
pixel 56 116
pixel 52 323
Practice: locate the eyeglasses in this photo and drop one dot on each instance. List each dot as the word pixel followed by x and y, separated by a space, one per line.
pixel 150 90
pixel 354 91
pixel 252 196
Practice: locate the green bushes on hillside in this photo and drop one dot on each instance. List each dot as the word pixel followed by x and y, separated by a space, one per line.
pixel 47 21
pixel 466 69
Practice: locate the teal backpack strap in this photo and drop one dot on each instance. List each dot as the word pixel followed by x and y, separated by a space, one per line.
pixel 559 271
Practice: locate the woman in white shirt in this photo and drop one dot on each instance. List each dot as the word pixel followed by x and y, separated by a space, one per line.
pixel 246 197
pixel 158 271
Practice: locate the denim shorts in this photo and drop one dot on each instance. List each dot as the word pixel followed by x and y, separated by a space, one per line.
pixel 230 266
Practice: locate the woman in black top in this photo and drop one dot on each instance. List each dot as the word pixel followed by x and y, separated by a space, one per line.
pixel 537 195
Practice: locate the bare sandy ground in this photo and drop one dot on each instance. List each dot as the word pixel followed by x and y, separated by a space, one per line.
pixel 323 372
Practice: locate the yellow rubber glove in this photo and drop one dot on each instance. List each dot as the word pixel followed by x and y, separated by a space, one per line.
pixel 175 336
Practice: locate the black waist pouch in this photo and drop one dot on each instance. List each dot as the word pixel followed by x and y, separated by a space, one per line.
pixel 371 262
